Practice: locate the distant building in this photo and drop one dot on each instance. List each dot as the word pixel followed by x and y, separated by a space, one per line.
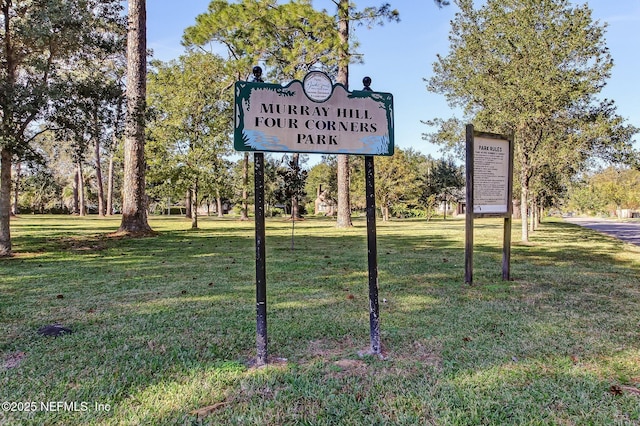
pixel 323 204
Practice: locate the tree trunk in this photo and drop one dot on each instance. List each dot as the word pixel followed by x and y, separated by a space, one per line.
pixel 81 200
pixel 16 190
pixel 110 187
pixel 219 203
pixel 344 202
pixel 9 77
pixel 187 204
pixel 540 213
pixel 524 207
pixel 5 202
pixel 76 201
pixel 134 212
pixel 244 214
pixel 100 185
pixel 194 206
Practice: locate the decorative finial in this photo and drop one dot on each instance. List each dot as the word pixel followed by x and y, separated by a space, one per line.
pixel 367 83
pixel 257 74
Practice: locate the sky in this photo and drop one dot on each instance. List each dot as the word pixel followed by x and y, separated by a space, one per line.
pixel 399 56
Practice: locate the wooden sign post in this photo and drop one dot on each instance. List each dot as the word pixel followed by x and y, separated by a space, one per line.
pixel 489 170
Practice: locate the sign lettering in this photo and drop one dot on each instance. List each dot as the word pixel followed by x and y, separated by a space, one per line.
pixel 270 117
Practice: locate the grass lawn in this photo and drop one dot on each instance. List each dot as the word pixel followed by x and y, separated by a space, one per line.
pixel 165 326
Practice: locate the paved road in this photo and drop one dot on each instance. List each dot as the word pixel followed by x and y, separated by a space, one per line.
pixel 625 231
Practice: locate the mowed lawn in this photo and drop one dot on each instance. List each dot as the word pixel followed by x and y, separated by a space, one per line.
pixel 164 327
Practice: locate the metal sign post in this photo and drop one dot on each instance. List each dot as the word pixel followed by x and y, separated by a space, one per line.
pixel 261 269
pixel 372 250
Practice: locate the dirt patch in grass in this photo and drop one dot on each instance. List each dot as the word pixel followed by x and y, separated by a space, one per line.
pixel 328 349
pixel 428 352
pixel 13 360
pixel 351 364
pixel 129 234
pixel 91 243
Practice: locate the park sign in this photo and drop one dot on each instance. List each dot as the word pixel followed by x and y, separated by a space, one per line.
pixel 489 170
pixel 492 162
pixel 312 116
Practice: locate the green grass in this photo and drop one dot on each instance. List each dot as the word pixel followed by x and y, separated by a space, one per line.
pixel 165 325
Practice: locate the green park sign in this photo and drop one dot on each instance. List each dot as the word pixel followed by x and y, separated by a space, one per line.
pixel 312 116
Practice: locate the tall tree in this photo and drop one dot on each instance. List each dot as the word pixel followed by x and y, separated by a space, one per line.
pixel 84 117
pixel 523 66
pixel 346 13
pixel 289 38
pixel 36 40
pixel 134 203
pixel 191 126
pixel 344 201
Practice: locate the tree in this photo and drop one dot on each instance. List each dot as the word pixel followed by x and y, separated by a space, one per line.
pixel 290 39
pixel 523 67
pixel 291 188
pixel 134 205
pixel 583 197
pixel 192 120
pixel 396 182
pixel 618 187
pixel 84 116
pixel 345 15
pixel 38 39
pixel 443 183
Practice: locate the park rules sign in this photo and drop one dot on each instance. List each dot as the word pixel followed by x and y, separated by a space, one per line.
pixel 312 116
pixel 491 174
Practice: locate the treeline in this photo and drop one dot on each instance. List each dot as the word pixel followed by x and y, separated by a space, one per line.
pixel 408 184
pixel 533 70
pixel 612 191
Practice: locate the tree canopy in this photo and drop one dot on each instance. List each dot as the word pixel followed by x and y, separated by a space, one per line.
pixel 532 68
pixel 191 110
pixel 39 39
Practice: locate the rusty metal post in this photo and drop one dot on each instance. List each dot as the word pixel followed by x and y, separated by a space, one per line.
pixel 261 280
pixel 374 308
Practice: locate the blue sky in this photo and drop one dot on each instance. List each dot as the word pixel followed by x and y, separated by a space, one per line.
pixel 398 56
